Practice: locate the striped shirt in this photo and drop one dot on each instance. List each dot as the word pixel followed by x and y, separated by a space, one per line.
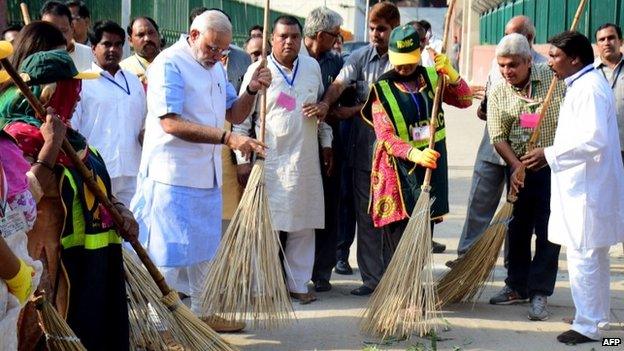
pixel 506 104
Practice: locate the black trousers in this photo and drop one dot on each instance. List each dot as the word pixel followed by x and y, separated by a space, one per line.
pixel 375 246
pixel 525 274
pixel 325 239
pixel 346 205
pixel 346 214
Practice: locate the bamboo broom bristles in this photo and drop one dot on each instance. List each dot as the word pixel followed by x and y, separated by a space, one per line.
pixel 245 281
pixel 468 276
pixel 404 301
pixel 151 323
pixel 59 336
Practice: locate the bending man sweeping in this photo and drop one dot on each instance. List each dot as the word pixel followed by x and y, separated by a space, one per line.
pixel 178 201
pixel 512 117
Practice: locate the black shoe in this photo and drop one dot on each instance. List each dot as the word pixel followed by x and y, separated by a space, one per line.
pixel 362 291
pixel 342 267
pixel 437 247
pixel 322 285
pixel 572 337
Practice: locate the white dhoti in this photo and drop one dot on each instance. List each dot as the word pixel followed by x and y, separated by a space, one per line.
pixel 192 278
pixel 299 252
pixel 589 283
pixel 123 188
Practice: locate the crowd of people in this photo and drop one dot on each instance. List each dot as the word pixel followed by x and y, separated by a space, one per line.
pixel 170 135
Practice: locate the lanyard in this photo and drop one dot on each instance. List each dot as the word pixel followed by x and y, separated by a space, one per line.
pixel 529 97
pixel 139 61
pixel 616 75
pixel 413 96
pixel 290 82
pixel 580 75
pixel 126 90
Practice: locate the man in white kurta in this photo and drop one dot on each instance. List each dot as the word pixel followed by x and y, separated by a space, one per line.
pixel 111 111
pixel 587 182
pixel 292 168
pixel 178 200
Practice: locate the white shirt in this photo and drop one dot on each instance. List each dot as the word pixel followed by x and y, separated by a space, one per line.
pixel 178 84
pixel 111 119
pixel 587 176
pixel 82 57
pixel 292 170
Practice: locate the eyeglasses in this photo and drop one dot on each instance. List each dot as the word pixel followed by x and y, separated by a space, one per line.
pixel 335 35
pixel 217 50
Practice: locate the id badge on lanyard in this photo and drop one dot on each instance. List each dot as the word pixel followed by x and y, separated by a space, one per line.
pixel 11 221
pixel 287 100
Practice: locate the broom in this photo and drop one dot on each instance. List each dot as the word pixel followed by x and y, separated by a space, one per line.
pixel 404 301
pixel 192 332
pixel 245 280
pixel 58 334
pixel 151 324
pixel 25 13
pixel 471 271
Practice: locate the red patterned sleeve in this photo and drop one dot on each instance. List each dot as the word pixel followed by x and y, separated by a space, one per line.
pixel 458 95
pixel 384 130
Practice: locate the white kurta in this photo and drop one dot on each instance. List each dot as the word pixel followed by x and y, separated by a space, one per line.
pixel 292 168
pixel 587 177
pixel 111 116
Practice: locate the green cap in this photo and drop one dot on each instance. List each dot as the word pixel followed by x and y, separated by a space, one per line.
pixel 51 66
pixel 404 47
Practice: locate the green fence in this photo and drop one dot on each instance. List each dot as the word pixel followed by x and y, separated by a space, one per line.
pixel 172 16
pixel 550 17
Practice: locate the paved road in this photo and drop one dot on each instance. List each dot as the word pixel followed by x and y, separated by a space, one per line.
pixel 331 323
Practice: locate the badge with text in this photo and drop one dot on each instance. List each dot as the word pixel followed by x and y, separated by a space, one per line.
pixel 286 101
pixel 420 133
pixel 12 223
pixel 529 120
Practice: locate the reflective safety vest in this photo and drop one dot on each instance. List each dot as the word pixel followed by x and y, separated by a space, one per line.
pixel 87 223
pixel 408 112
pixel 405 113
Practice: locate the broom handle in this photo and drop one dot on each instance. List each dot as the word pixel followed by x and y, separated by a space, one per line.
pixel 263 97
pixel 89 179
pixel 553 84
pixel 25 13
pixel 437 100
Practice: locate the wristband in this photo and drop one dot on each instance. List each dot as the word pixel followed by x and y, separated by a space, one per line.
pixel 223 137
pixel 45 164
pixel 252 93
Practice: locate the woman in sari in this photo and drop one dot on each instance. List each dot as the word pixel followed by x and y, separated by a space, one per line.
pixel 74 235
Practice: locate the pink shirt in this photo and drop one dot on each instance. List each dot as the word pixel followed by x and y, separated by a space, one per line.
pixel 15 166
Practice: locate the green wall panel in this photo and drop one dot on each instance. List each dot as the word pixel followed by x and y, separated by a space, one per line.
pixel 171 15
pixel 529 8
pixel 518 8
pixel 550 17
pixel 541 20
pixel 571 11
pixel 556 14
pixel 602 11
